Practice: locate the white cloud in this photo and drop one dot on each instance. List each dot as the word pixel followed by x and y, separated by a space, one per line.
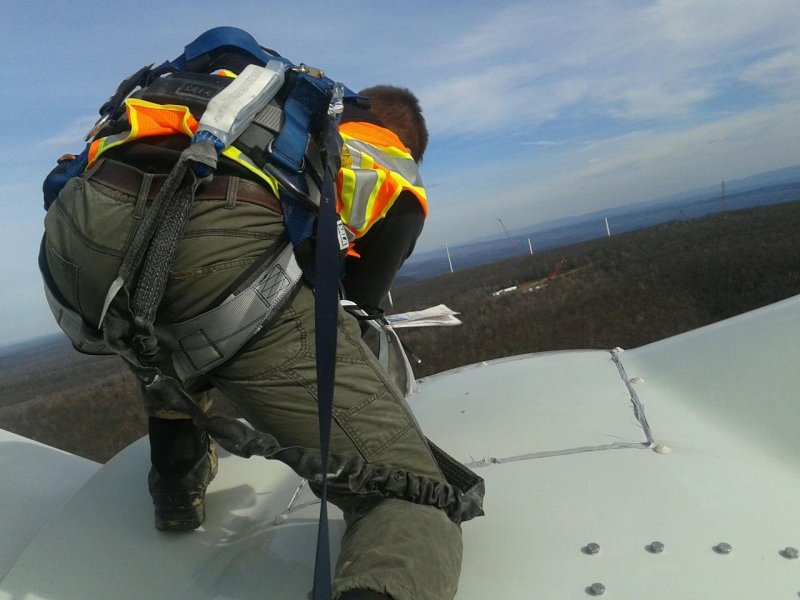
pixel 733 147
pixel 638 166
pixel 514 91
pixel 71 136
pixel 780 72
pixel 656 100
pixel 534 62
pixel 692 26
pixel 495 98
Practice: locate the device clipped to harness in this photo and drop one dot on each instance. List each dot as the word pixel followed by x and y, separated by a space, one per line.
pixel 232 110
pixel 281 120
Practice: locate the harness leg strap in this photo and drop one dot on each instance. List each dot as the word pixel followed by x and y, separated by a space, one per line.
pixel 345 471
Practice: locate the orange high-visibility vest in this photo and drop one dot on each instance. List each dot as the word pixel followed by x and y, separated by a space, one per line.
pixel 150 119
pixel 376 168
pixel 146 119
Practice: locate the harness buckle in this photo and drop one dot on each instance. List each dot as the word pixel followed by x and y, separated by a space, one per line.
pixel 97 127
pixel 336 106
pixel 299 171
pixel 312 71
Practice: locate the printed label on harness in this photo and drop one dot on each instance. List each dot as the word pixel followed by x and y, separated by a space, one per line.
pixel 196 90
pixel 231 110
pixel 344 243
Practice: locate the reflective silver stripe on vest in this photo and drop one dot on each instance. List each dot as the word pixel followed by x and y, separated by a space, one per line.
pixel 366 183
pixel 209 339
pixel 405 167
pixel 367 180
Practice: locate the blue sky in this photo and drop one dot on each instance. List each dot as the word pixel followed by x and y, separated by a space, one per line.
pixel 537 110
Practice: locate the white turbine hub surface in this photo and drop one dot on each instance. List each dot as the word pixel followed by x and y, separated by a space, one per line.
pixel 701 449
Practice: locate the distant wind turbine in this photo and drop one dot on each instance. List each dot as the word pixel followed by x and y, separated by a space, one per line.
pixel 449 261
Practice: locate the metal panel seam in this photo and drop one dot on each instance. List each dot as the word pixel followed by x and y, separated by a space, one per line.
pixel 638 407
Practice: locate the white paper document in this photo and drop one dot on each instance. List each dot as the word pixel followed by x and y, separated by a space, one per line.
pixel 434 316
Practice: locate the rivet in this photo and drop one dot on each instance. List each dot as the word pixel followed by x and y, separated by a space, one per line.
pixel 656 547
pixel 723 548
pixel 790 552
pixel 596 589
pixel 591 548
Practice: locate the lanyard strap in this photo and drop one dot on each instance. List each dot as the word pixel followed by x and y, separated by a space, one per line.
pixel 327 266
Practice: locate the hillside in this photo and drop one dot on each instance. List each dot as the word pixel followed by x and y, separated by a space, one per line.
pixel 626 290
pixel 765 189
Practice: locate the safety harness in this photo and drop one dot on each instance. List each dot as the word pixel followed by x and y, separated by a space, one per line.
pixel 294 142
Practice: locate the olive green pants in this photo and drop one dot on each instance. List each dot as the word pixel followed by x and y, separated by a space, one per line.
pixel 405 550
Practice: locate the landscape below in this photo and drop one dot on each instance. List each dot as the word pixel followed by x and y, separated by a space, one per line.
pixel 625 290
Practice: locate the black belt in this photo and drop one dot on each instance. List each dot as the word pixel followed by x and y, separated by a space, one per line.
pixel 128 180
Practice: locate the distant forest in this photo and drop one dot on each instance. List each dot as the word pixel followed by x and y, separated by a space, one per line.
pixel 626 290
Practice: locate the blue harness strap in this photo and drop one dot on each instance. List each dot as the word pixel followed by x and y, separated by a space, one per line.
pixel 306 115
pixel 58 177
pixel 327 265
pixel 308 99
pixel 301 107
pixel 217 40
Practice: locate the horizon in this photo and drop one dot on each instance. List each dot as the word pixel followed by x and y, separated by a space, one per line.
pixel 536 111
pixel 677 200
pixel 425 258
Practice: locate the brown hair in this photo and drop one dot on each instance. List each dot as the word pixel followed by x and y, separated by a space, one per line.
pixel 399 110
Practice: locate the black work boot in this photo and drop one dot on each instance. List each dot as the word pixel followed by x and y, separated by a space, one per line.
pixel 184 463
pixel 363 595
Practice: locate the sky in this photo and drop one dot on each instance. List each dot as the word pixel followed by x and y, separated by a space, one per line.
pixel 536 110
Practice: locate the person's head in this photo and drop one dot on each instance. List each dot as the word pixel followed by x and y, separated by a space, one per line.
pixel 399 110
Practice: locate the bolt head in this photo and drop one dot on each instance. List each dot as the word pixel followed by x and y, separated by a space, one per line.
pixel 723 548
pixel 597 589
pixel 592 548
pixel 656 547
pixel 790 552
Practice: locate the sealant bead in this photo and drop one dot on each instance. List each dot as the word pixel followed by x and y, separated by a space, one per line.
pixel 597 589
pixel 656 547
pixel 592 548
pixel 662 449
pixel 282 518
pixel 723 548
pixel 636 380
pixel 790 552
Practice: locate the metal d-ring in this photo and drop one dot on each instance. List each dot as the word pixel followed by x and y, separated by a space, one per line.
pixel 302 164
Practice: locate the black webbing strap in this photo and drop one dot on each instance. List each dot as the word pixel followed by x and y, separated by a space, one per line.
pixel 156 238
pixel 326 309
pixel 131 305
